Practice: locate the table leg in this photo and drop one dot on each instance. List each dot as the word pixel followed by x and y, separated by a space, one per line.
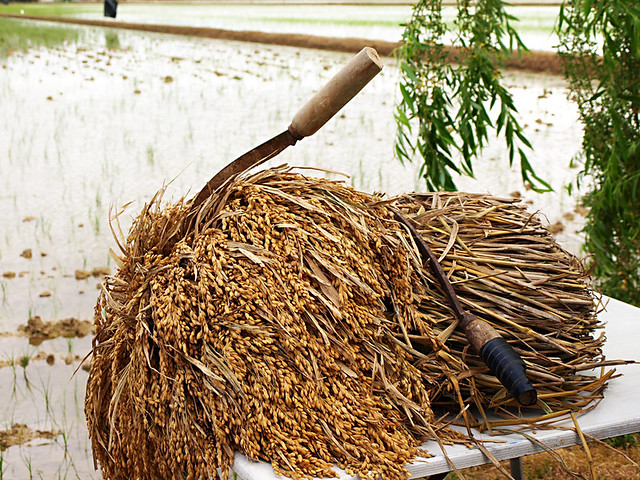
pixel 515 465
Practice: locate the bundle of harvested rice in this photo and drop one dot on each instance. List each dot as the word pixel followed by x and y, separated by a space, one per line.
pixel 295 323
pixel 267 331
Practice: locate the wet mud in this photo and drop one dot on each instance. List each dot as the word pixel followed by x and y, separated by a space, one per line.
pixel 20 434
pixel 38 330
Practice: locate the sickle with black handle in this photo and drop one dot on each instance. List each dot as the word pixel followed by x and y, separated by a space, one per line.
pixel 503 361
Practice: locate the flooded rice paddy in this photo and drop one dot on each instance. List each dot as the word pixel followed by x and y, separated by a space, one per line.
pixel 381 22
pixel 89 127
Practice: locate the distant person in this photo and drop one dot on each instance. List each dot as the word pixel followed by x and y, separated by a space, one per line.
pixel 5 2
pixel 110 7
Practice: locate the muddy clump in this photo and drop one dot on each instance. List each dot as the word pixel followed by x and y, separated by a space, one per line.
pixel 38 330
pixel 20 434
pixel 95 272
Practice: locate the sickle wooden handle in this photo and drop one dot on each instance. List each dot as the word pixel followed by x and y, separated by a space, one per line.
pixel 336 93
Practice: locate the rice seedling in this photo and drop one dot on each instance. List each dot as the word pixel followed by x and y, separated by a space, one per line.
pixel 65 440
pixel 46 393
pixel 96 225
pixel 150 155
pixel 21 35
pixel 26 458
pixel 287 315
pixel 24 361
pixel 44 225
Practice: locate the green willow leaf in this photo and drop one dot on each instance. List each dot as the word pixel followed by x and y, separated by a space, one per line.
pixel 451 134
pixel 603 80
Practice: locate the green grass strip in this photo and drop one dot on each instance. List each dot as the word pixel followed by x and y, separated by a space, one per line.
pixel 18 35
pixel 52 9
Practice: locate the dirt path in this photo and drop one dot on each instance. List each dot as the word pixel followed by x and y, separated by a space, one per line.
pixel 532 61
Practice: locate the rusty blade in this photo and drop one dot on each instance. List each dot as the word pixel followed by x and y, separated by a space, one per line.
pixel 252 158
pixel 436 268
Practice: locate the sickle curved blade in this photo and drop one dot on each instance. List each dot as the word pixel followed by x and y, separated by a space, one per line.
pixel 252 158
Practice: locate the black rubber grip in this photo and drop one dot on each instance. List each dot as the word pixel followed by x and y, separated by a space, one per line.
pixel 505 363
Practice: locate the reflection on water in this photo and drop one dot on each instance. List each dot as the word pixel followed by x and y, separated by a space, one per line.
pixel 111 39
pixel 177 110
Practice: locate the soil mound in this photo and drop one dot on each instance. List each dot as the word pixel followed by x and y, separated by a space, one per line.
pixel 19 434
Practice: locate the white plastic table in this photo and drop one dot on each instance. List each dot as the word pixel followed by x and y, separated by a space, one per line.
pixel 617 414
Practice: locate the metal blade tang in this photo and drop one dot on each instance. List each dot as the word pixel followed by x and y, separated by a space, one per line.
pixel 436 268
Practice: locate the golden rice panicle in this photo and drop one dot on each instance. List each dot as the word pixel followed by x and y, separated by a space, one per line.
pixel 271 329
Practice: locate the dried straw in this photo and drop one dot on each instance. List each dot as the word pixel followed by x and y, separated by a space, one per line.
pixel 295 323
pixel 508 270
